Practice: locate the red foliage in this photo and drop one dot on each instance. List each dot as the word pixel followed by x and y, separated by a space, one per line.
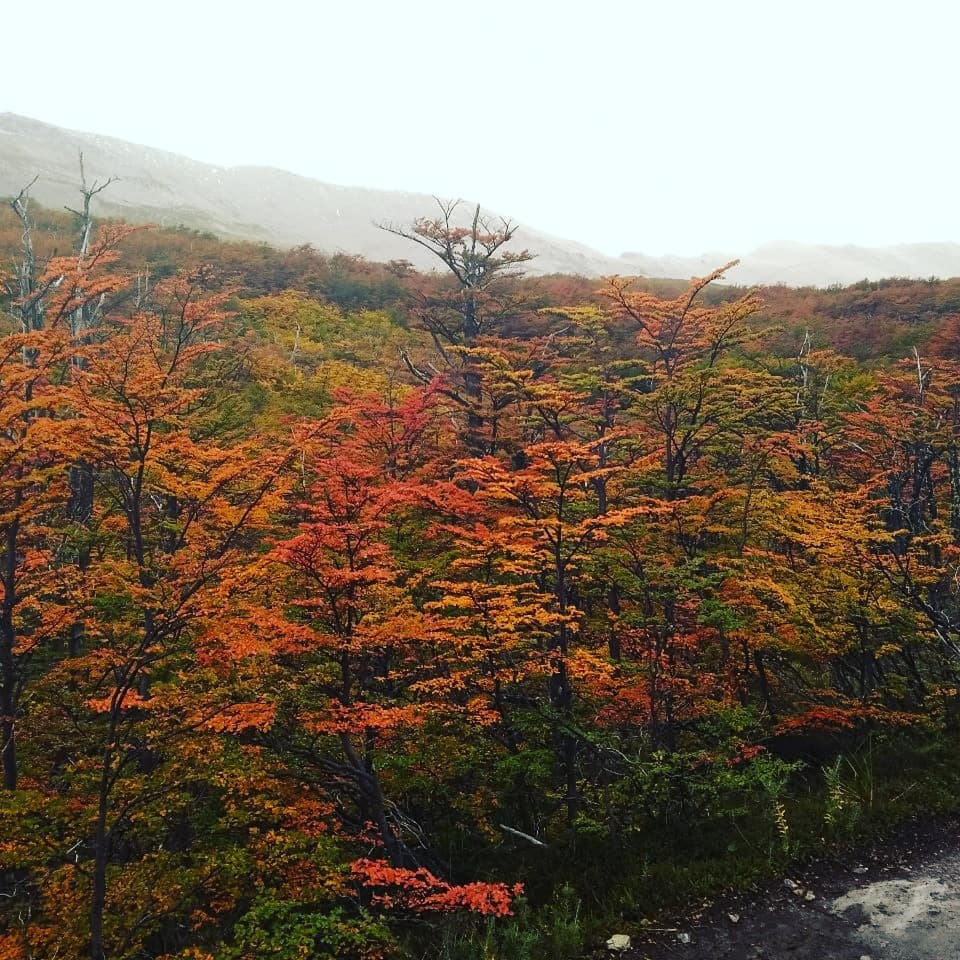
pixel 421 892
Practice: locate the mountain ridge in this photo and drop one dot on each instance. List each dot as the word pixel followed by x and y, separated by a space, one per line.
pixel 279 207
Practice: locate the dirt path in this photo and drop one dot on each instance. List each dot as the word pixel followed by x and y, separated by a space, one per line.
pixel 899 900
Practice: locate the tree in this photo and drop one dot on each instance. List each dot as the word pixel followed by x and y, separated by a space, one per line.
pixel 32 455
pixel 483 274
pixel 367 465
pixel 685 343
pixel 175 515
pixel 35 438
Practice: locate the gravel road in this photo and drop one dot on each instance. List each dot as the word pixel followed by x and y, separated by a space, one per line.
pixel 899 900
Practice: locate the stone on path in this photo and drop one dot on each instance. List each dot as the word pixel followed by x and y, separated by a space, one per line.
pixel 618 943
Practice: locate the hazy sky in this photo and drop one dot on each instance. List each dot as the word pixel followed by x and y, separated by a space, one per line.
pixel 669 126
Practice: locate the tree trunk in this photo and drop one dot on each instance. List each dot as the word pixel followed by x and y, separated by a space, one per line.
pixel 8 672
pixel 98 894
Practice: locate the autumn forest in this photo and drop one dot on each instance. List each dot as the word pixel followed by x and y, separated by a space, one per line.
pixel 348 611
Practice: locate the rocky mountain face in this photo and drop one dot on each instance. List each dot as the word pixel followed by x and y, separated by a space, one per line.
pixel 284 209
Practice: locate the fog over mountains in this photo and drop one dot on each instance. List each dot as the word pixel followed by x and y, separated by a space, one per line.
pixel 284 209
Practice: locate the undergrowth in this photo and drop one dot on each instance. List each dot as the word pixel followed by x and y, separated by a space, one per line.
pixel 588 886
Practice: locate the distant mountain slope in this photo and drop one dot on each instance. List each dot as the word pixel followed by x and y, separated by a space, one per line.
pixel 251 203
pixel 281 208
pixel 799 264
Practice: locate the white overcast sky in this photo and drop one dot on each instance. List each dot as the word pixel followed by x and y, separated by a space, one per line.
pixel 670 126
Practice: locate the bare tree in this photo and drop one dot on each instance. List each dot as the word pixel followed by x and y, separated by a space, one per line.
pixel 87 314
pixel 28 294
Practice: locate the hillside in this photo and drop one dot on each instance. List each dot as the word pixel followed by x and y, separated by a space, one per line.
pixel 284 209
pixel 243 203
pixel 349 614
